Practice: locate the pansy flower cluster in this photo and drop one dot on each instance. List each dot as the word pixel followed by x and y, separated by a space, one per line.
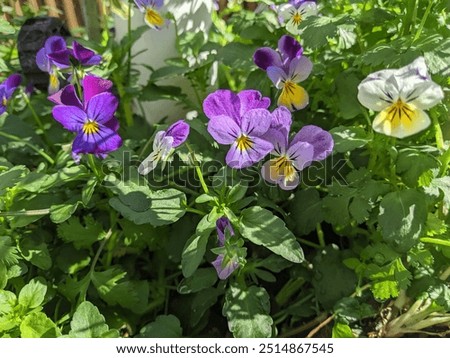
pixel 243 121
pixel 86 107
pixel 293 13
pixel 55 56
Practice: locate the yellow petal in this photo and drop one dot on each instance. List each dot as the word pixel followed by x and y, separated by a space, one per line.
pixel 401 120
pixel 293 96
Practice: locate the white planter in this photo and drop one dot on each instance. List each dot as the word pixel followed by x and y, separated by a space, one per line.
pixel 191 16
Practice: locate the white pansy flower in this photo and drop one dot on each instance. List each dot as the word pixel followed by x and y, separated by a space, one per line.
pixel 293 13
pixel 401 96
pixel 162 148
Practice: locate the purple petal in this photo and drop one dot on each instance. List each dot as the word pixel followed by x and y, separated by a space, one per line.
pixel 237 158
pixel 112 124
pixel 2 109
pixel 102 107
pixel 42 60
pixel 72 118
pixel 84 55
pixel 300 69
pixel 59 58
pixel 321 140
pixel 55 44
pixel 12 82
pixel 223 224
pixel 223 272
pixel 103 142
pixel 265 57
pixel 179 131
pixel 301 153
pixel 279 139
pixel 93 85
pixel 276 75
pixel 223 129
pixel 67 96
pixel 289 48
pixel 281 119
pixel 222 103
pixel 141 4
pixel 251 99
pixel 256 122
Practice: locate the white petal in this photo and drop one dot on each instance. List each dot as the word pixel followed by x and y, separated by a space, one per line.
pixel 300 69
pixel 286 11
pixel 372 94
pixel 308 8
pixel 401 129
pixel 428 95
pixel 149 163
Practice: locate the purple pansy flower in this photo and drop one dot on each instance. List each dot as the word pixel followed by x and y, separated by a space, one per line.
pixel 240 120
pixel 163 145
pixel 223 264
pixel 93 119
pixel 311 143
pixel 285 69
pixel 293 13
pixel 7 88
pixel 53 56
pixel 84 56
pixel 151 10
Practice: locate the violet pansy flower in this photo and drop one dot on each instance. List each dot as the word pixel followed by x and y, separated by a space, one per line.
pixel 224 264
pixel 239 120
pixel 84 56
pixel 53 56
pixel 92 119
pixel 401 96
pixel 152 14
pixel 163 145
pixel 310 144
pixel 285 69
pixel 7 88
pixel 293 13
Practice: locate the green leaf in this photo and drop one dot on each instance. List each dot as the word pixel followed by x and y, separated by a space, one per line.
pixel 32 294
pixel 88 191
pixel 440 293
pixel 5 27
pixel 351 309
pixel 201 279
pixel 81 236
pixel 38 325
pixel 440 185
pixel 11 177
pixel 247 310
pixel 111 287
pixel 201 302
pixel 262 227
pixel 158 208
pixel 36 252
pixel 87 322
pixel 347 89
pixel 61 212
pixel 163 327
pixel 306 210
pixel 388 280
pixel 237 55
pixel 341 330
pixel 8 252
pixel 152 92
pixel 412 163
pixel 347 139
pixel 195 247
pixel 332 280
pixel 402 217
pixel 317 29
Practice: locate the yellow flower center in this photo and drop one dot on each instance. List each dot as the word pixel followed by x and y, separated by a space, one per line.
pixel 244 143
pixel 91 127
pixel 282 167
pixel 153 18
pixel 293 96
pixel 54 82
pixel 400 113
pixel 4 102
pixel 297 19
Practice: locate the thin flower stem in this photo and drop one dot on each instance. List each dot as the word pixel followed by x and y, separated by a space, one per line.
pixel 320 235
pixel 37 212
pixel 129 40
pixel 445 161
pixel 198 170
pixel 195 211
pixel 431 240
pixel 29 145
pixel 424 19
pixel 437 131
pixel 309 243
pixel 94 167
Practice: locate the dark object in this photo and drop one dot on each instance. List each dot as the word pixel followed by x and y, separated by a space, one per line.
pixel 32 36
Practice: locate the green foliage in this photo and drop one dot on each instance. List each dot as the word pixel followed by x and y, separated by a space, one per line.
pixel 163 327
pixel 87 322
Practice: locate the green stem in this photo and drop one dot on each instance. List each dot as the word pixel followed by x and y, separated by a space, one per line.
pixel 37 212
pixel 125 100
pixel 195 211
pixel 431 240
pixel 437 130
pixel 129 40
pixel 407 21
pixel 93 166
pixel 320 235
pixel 183 189
pixel 198 170
pixel 309 243
pixel 424 19
pixel 29 145
pixel 445 161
